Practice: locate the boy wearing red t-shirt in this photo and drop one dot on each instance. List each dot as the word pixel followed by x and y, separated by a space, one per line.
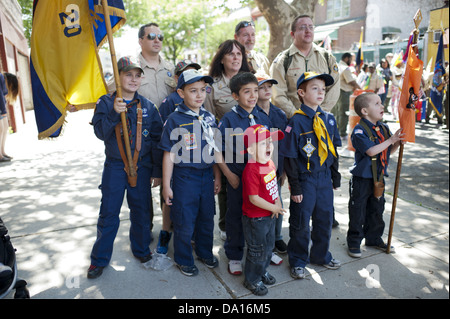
pixel 261 204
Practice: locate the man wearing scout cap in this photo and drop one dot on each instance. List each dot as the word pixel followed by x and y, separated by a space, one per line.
pixel 310 151
pixel 144 127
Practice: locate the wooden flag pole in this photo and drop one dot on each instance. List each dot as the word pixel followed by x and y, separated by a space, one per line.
pixel 132 169
pixel 417 20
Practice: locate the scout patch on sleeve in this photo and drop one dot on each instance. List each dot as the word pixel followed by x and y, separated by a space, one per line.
pixel 358 131
pixel 190 141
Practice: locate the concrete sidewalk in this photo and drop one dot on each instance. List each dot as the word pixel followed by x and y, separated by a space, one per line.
pixel 50 201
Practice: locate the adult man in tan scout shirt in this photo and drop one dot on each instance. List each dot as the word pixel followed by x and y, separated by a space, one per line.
pixel 303 55
pixel 245 34
pixel 348 85
pixel 158 81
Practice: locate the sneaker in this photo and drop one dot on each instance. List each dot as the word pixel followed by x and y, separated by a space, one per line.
pixel 210 262
pixel 259 289
pixel 383 246
pixel 188 270
pixel 280 246
pixel 333 264
pixel 235 267
pixel 94 271
pixel 354 252
pixel 163 242
pixel 298 272
pixel 145 258
pixel 223 235
pixel 268 279
pixel 276 260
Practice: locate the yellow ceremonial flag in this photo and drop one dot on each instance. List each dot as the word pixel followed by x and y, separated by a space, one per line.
pixel 65 66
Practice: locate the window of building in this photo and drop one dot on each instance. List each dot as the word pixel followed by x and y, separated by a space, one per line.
pixel 338 9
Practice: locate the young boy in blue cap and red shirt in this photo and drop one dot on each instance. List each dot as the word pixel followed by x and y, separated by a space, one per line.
pixel 144 130
pixel 373 144
pixel 311 138
pixel 261 206
pixel 244 89
pixel 190 176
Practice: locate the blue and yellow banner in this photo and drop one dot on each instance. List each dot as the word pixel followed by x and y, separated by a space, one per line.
pixel 438 85
pixel 65 66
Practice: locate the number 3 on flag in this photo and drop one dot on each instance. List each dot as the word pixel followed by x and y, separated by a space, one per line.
pixel 71 20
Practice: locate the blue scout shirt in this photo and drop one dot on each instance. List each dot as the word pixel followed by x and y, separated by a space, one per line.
pixel 106 118
pixel 362 166
pixel 279 121
pixel 232 127
pixel 183 135
pixel 299 132
pixel 169 104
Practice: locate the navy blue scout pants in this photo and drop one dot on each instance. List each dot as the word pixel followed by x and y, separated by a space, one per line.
pixel 114 184
pixel 235 242
pixel 317 203
pixel 193 208
pixel 365 213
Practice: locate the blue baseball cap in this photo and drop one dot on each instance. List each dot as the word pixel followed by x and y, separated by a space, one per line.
pixel 312 75
pixel 191 76
pixel 265 78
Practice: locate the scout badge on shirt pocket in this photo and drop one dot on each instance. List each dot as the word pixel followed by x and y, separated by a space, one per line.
pixel 309 149
pixel 190 141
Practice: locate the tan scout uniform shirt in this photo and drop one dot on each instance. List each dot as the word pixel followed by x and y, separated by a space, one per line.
pixel 219 101
pixel 157 84
pixel 285 92
pixel 375 82
pixel 259 62
pixel 346 76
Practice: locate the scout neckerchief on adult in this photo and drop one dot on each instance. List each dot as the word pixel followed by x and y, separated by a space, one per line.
pixel 207 130
pixel 322 135
pixel 250 116
pixel 119 135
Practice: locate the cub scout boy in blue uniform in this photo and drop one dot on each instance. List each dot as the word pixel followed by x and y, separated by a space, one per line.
pixel 190 176
pixel 309 151
pixel 244 89
pixel 170 103
pixel 364 208
pixel 144 139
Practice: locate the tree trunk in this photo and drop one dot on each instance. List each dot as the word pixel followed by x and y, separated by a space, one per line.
pixel 279 16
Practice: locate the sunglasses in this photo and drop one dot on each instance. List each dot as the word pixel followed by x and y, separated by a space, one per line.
pixel 152 36
pixel 244 24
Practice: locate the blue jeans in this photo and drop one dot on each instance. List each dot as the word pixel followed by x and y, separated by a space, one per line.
pixel 260 237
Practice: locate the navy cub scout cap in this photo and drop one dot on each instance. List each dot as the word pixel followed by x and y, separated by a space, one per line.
pixel 191 76
pixel 312 75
